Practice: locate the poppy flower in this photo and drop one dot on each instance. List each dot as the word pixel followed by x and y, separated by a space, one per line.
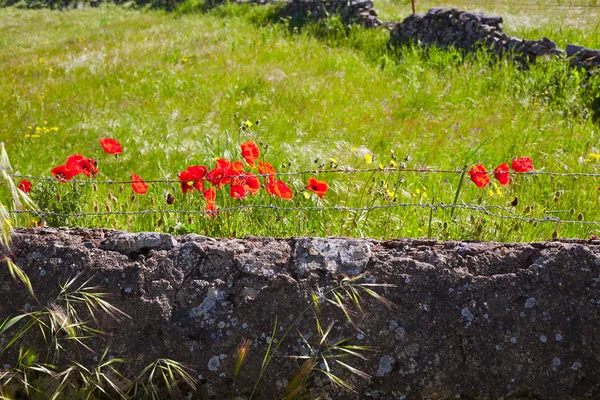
pixel 65 173
pixel 252 183
pixel 211 210
pixel 25 186
pixel 192 178
pixel 264 168
pixel 210 195
pixel 250 152
pixel 501 173
pixel 238 191
pixel 479 176
pixel 224 171
pixel 87 166
pixel 111 146
pixel 237 168
pixel 523 164
pixel 316 186
pixel 279 189
pixel 138 185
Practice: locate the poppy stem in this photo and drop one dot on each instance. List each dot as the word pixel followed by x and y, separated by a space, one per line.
pixel 361 196
pixel 430 218
pixel 460 184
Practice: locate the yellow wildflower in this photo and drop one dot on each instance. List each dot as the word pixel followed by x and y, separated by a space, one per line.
pixel 594 156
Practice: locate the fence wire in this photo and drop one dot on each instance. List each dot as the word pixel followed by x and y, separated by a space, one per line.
pixel 320 172
pixel 495 211
pixel 490 210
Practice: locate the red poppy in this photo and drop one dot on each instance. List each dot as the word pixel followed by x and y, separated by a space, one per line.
pixel 237 168
pixel 238 191
pixel 223 171
pixel 192 178
pixel 138 185
pixel 501 173
pixel 264 168
pixel 523 164
pixel 318 187
pixel 111 146
pixel 252 183
pixel 210 195
pixel 65 173
pixel 211 210
pixel 87 166
pixel 250 152
pixel 25 186
pixel 479 175
pixel 279 189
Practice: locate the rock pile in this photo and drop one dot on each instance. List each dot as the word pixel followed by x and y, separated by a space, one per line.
pixel 447 27
pixel 360 12
pixel 582 57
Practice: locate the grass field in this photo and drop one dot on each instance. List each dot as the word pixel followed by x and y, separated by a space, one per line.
pixel 175 88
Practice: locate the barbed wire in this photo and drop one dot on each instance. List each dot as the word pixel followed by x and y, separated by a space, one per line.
pixel 318 172
pixel 490 210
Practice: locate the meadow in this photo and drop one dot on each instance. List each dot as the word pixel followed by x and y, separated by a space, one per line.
pixel 184 88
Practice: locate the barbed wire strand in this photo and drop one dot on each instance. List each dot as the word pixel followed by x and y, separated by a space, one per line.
pixel 318 172
pixel 471 207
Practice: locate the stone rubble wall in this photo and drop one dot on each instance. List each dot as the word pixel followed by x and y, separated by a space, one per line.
pixel 445 27
pixel 360 12
pixel 473 320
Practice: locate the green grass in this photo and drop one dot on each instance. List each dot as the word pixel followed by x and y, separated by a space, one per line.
pixel 174 89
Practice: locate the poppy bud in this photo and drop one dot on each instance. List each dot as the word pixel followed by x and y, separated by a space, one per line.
pixel 152 201
pixel 572 211
pixel 170 199
pixel 556 196
pixel 58 196
pixel 132 198
pixel 108 208
pixel 580 217
pixel 445 226
pixel 190 220
pixel 515 202
pixel 516 227
pixel 95 187
pixel 95 207
pixel 159 222
pixel 527 210
pixel 555 234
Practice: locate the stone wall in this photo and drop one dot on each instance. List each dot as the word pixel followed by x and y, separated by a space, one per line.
pixel 445 27
pixel 472 320
pixel 360 12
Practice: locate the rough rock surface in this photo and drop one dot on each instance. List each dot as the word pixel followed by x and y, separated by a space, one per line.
pixel 473 320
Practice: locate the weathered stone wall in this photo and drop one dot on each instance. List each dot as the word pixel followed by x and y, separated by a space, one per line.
pixel 473 320
pixel 446 27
